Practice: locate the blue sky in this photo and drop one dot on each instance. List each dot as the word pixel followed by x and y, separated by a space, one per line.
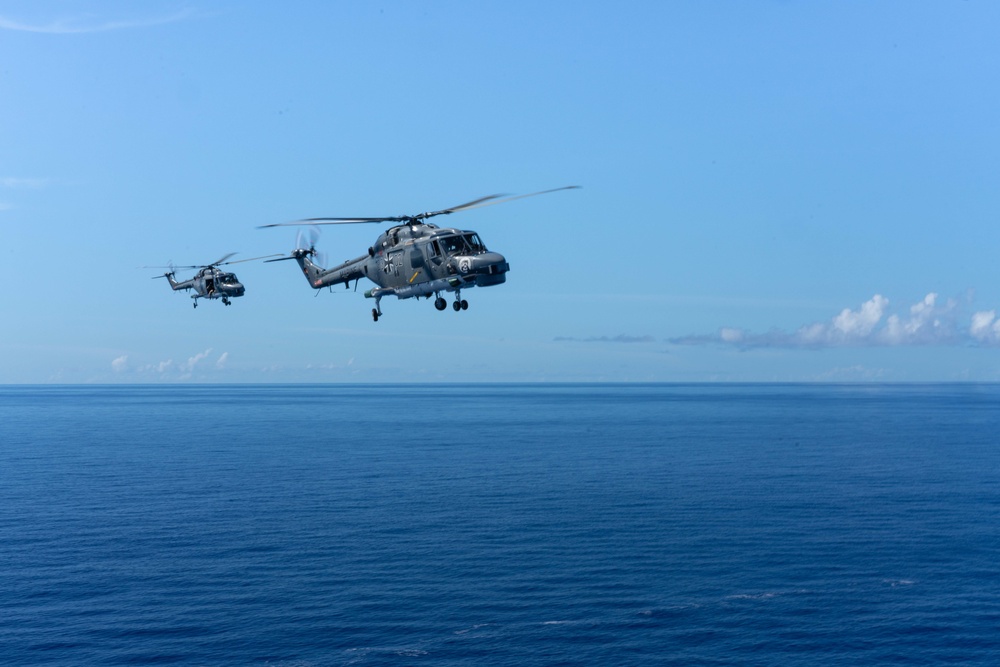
pixel 771 191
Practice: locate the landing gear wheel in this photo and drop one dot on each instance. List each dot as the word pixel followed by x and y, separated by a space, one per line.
pixel 375 314
pixel 457 306
pixel 464 304
pixel 440 303
pixel 195 304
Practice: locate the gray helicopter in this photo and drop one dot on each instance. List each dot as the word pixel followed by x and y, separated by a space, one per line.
pixel 413 258
pixel 210 282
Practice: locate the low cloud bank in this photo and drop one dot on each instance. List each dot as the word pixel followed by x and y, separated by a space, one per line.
pixel 930 321
pixel 620 338
pixel 168 369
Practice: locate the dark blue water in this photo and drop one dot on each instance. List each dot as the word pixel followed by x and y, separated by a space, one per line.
pixel 500 525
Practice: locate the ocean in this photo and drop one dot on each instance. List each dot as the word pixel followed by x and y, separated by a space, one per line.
pixel 534 524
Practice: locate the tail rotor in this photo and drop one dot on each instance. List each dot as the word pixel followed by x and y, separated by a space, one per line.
pixel 305 247
pixel 308 235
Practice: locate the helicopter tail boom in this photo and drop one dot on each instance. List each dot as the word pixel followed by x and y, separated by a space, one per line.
pixel 318 277
pixel 175 285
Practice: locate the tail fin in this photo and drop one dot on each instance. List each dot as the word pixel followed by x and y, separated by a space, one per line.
pixel 311 271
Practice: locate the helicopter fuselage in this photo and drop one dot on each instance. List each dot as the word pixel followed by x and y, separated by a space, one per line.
pixel 210 283
pixel 414 260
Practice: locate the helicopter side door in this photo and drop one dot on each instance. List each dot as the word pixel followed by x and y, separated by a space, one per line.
pixel 418 266
pixel 434 257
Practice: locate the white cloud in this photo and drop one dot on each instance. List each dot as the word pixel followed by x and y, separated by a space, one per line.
pixel 985 327
pixel 859 323
pixel 189 365
pixel 929 322
pixel 169 370
pixel 731 335
pixel 71 26
pixel 161 367
pixel 32 183
pixel 854 373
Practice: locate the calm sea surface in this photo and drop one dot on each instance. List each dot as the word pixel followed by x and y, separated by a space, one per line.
pixel 500 525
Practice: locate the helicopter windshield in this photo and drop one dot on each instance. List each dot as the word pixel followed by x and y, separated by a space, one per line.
pixel 467 243
pixel 472 240
pixel 227 278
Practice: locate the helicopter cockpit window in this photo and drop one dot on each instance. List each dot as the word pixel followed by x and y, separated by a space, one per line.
pixel 473 243
pixel 452 244
pixel 467 243
pixel 227 278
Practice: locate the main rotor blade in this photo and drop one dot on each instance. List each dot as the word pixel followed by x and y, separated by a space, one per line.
pixel 461 207
pixel 488 200
pixel 484 203
pixel 220 262
pixel 221 259
pixel 238 261
pixel 329 221
pixel 280 259
pixel 396 218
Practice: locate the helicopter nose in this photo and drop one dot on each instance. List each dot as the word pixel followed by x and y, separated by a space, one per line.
pixel 488 263
pixel 239 289
pixel 490 268
pixel 492 263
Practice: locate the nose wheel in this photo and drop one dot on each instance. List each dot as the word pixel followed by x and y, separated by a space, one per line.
pixel 460 304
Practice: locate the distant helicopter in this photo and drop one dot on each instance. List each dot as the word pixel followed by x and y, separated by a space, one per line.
pixel 413 258
pixel 210 282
